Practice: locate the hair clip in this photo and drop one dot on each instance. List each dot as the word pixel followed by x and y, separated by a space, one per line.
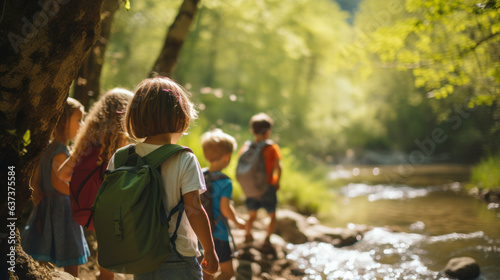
pixel 174 94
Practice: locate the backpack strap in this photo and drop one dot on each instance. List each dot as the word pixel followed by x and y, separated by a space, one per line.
pixel 122 154
pixel 158 156
pixel 82 184
pixel 178 208
pixel 209 179
pixel 155 159
pixel 262 144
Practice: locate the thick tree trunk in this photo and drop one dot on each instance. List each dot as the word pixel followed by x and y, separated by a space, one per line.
pixel 42 46
pixel 87 85
pixel 176 35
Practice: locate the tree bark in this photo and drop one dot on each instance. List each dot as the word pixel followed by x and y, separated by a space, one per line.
pixel 87 85
pixel 42 46
pixel 176 35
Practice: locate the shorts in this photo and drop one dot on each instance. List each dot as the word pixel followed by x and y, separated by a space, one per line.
pixel 223 250
pixel 175 268
pixel 267 201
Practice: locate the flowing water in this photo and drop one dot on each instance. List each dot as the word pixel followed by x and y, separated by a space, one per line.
pixel 428 227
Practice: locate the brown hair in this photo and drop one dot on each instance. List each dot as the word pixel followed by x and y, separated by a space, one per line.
pixel 70 106
pixel 260 123
pixel 103 125
pixel 159 106
pixel 216 143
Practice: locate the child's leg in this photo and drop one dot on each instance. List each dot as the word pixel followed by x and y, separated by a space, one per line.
pixel 207 276
pixel 105 274
pixel 270 201
pixel 73 270
pixel 227 271
pixel 251 219
pixel 272 225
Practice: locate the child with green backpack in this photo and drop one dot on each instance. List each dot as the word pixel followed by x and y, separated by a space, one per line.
pixel 139 214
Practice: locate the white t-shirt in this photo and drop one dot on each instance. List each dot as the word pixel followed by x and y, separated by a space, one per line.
pixel 180 173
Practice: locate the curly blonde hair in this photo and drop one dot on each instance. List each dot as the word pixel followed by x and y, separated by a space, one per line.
pixel 103 125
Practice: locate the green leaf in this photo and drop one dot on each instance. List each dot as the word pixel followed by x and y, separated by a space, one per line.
pixel 127 5
pixel 12 131
pixel 27 138
pixel 495 28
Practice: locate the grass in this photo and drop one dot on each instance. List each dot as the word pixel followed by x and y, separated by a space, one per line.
pixel 486 174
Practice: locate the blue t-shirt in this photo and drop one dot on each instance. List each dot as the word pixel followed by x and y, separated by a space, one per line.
pixel 220 188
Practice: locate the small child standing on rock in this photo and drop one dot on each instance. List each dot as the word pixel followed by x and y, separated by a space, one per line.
pixel 217 148
pixel 259 174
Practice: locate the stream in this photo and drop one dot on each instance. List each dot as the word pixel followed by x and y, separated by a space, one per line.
pixel 417 230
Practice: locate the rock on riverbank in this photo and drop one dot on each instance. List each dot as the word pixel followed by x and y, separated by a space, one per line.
pixel 252 261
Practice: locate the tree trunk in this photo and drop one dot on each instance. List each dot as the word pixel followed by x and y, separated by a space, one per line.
pixel 176 35
pixel 43 44
pixel 87 84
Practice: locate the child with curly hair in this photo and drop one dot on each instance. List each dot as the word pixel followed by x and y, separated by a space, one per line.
pixel 101 135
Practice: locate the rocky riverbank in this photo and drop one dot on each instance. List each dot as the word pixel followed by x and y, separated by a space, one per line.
pixel 256 262
pixel 489 196
pixel 253 261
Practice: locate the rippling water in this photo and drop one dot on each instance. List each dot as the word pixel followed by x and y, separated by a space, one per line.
pixel 434 224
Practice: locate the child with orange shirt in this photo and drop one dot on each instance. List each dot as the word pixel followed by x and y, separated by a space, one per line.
pixel 266 198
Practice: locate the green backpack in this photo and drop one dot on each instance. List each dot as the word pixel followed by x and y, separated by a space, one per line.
pixel 129 219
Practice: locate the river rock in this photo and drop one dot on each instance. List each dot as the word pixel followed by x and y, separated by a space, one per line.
pixel 339 237
pixel 291 226
pixel 492 195
pixel 463 268
pixel 247 269
pixel 61 275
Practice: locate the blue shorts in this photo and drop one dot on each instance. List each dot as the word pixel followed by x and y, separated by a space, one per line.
pixel 223 250
pixel 175 268
pixel 267 201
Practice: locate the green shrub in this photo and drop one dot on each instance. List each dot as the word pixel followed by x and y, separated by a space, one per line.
pixel 303 186
pixel 486 174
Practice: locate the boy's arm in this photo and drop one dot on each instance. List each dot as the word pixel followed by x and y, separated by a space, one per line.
pixel 229 212
pixel 199 222
pixel 57 183
pixel 277 169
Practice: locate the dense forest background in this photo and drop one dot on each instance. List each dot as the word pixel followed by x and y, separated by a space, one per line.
pixel 348 83
pixel 374 78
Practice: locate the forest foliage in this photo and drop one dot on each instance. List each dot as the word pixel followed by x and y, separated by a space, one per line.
pixel 379 79
pixel 374 84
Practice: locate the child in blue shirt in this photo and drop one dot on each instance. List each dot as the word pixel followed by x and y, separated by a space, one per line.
pixel 217 148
